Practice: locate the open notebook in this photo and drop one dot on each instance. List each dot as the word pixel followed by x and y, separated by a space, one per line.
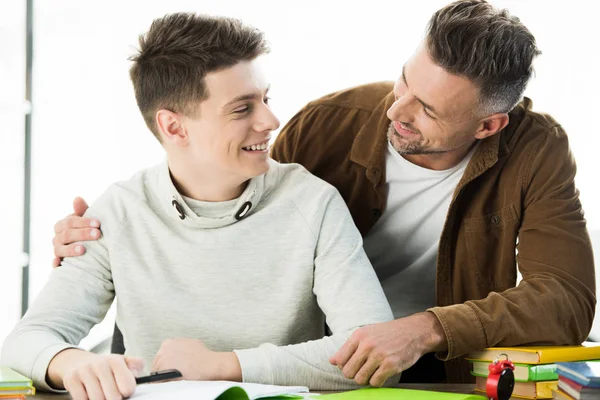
pixel 223 390
pixel 212 390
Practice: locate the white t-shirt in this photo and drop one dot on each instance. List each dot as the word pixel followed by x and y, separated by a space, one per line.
pixel 403 244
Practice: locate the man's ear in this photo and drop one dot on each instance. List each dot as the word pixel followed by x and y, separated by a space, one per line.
pixel 171 128
pixel 491 125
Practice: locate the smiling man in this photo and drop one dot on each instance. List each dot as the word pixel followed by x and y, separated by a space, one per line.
pixel 455 184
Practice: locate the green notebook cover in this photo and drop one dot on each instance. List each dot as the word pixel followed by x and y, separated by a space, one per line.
pixel 12 379
pixel 523 372
pixel 400 394
pixel 237 393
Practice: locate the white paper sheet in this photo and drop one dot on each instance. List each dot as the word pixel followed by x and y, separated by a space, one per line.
pixel 209 390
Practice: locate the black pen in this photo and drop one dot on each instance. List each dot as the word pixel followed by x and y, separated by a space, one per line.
pixel 158 376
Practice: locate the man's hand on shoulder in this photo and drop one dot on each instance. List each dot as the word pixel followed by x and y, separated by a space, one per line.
pixel 374 353
pixel 72 229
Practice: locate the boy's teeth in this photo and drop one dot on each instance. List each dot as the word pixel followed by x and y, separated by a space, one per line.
pixel 255 147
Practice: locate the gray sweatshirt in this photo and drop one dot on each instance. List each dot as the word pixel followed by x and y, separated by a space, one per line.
pixel 262 286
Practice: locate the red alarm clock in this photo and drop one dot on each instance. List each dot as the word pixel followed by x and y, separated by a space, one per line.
pixel 501 379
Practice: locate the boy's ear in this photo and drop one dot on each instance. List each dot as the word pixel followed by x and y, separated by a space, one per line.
pixel 171 127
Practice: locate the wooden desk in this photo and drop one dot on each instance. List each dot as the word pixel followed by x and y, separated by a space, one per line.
pixel 466 388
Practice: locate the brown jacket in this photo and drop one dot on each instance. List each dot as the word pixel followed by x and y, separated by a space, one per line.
pixel 516 205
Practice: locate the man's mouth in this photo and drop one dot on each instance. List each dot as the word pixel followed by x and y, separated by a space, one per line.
pixel 403 130
pixel 257 147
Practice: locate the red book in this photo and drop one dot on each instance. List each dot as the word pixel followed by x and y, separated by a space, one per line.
pixel 576 390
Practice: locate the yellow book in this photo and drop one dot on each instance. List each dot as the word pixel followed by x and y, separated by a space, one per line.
pixel 17 392
pixel 525 390
pixel 560 395
pixel 540 354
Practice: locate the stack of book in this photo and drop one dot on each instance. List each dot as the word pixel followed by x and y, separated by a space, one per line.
pixel 536 375
pixel 14 385
pixel 578 380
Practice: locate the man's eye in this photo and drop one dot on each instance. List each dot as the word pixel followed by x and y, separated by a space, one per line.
pixel 427 114
pixel 266 100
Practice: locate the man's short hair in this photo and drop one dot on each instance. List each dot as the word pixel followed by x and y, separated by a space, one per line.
pixel 488 46
pixel 176 54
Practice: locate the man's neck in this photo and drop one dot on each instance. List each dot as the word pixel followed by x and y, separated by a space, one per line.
pixel 440 161
pixel 202 187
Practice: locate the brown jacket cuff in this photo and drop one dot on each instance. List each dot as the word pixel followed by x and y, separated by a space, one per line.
pixel 463 329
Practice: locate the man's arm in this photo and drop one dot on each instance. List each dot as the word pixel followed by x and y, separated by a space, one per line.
pixel 375 352
pixel 554 304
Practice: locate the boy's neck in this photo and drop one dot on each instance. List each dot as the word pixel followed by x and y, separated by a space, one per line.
pixel 202 187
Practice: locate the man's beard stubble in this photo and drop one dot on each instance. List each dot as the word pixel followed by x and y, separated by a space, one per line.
pixel 404 146
pixel 401 144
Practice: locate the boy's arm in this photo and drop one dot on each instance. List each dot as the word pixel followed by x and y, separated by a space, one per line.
pixel 350 296
pixel 75 298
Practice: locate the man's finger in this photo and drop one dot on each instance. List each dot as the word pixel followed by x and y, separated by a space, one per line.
pixel 76 235
pixel 355 363
pixel 79 206
pixel 71 250
pixel 364 374
pixel 56 262
pixel 382 374
pixel 73 221
pixel 344 353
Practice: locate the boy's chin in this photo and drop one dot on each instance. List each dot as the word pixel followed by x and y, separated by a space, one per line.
pixel 256 169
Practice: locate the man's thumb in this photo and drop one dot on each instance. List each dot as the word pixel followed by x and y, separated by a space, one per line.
pixel 136 365
pixel 79 206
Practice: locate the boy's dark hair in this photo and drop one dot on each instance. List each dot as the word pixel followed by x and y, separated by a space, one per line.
pixel 176 54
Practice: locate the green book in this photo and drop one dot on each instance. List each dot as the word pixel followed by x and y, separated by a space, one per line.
pixel 12 379
pixel 400 394
pixel 523 372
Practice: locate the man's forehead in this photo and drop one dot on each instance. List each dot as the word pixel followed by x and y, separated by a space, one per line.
pixel 447 93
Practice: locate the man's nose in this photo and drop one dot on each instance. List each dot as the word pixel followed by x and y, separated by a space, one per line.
pixel 403 109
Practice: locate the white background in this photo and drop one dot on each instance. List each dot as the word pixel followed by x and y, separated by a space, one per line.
pixel 87 131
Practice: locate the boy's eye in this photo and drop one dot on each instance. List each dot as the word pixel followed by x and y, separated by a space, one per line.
pixel 241 110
